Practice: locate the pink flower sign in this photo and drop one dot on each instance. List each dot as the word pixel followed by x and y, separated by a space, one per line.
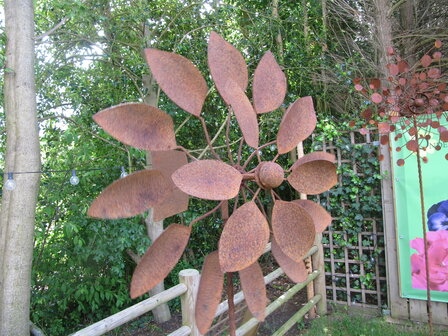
pixel 438 261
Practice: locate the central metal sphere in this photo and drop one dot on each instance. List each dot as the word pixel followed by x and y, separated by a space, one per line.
pixel 269 175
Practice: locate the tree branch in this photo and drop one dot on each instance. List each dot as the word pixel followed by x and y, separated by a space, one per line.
pixel 52 30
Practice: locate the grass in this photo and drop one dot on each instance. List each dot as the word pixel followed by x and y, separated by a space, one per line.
pixel 343 324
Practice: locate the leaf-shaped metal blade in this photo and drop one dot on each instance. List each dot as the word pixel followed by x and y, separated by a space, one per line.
pixel 321 218
pixel 167 162
pixel 293 229
pixel 269 85
pixel 297 124
pixel 243 239
pixel 209 292
pixel 244 113
pixel 179 79
pixel 296 271
pixel 131 195
pixel 208 179
pixel 314 173
pixel 254 289
pixel 159 259
pixel 426 61
pixel 138 125
pixel 226 63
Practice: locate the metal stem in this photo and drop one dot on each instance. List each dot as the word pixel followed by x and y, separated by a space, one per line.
pixel 422 205
pixel 229 152
pixel 256 151
pixel 207 138
pixel 232 317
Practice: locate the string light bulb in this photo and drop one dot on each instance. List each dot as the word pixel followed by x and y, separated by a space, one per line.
pixel 10 184
pixel 123 173
pixel 74 180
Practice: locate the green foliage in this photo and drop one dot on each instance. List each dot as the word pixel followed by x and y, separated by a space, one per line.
pixel 354 203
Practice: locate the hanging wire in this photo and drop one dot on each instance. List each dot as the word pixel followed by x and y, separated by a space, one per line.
pixel 61 171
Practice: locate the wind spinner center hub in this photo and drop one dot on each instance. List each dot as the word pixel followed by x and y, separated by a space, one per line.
pixel 269 175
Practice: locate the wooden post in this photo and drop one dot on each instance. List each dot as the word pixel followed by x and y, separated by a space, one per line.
pixel 190 278
pixel 398 305
pixel 308 261
pixel 319 282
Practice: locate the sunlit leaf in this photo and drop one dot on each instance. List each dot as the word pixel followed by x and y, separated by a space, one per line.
pixel 167 162
pixel 226 63
pixel 159 259
pixel 293 229
pixel 243 239
pixel 131 195
pixel 296 271
pixel 179 79
pixel 138 125
pixel 297 124
pixel 208 179
pixel 254 289
pixel 314 173
pixel 269 85
pixel 209 293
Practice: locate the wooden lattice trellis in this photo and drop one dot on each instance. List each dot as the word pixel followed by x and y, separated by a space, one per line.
pixel 355 273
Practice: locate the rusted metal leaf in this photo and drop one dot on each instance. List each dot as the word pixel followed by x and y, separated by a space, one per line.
pixel 426 61
pixel 297 124
pixel 208 179
pixel 244 113
pixel 314 173
pixel 393 69
pixel 321 218
pixel 138 125
pixel 226 63
pixel 293 229
pixel 403 66
pixel 269 85
pixel 376 98
pixel 444 136
pixel 209 293
pixel 167 162
pixel 434 73
pixel 296 271
pixel 437 55
pixel 243 239
pixel 179 79
pixel 375 83
pixel 254 289
pixel 412 145
pixel 131 195
pixel 159 259
pixel 383 127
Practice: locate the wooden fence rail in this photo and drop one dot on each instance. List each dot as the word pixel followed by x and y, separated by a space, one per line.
pixel 187 290
pixel 128 314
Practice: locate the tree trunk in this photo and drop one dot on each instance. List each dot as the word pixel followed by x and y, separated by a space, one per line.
pixel 383 27
pixel 154 229
pixel 408 25
pixel 22 154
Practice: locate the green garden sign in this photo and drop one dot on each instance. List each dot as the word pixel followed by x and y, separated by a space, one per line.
pixel 408 216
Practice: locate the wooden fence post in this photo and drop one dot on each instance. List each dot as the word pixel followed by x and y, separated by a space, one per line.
pixel 319 282
pixel 190 278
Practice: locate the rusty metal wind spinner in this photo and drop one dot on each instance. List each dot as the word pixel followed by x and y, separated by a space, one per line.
pixel 166 187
